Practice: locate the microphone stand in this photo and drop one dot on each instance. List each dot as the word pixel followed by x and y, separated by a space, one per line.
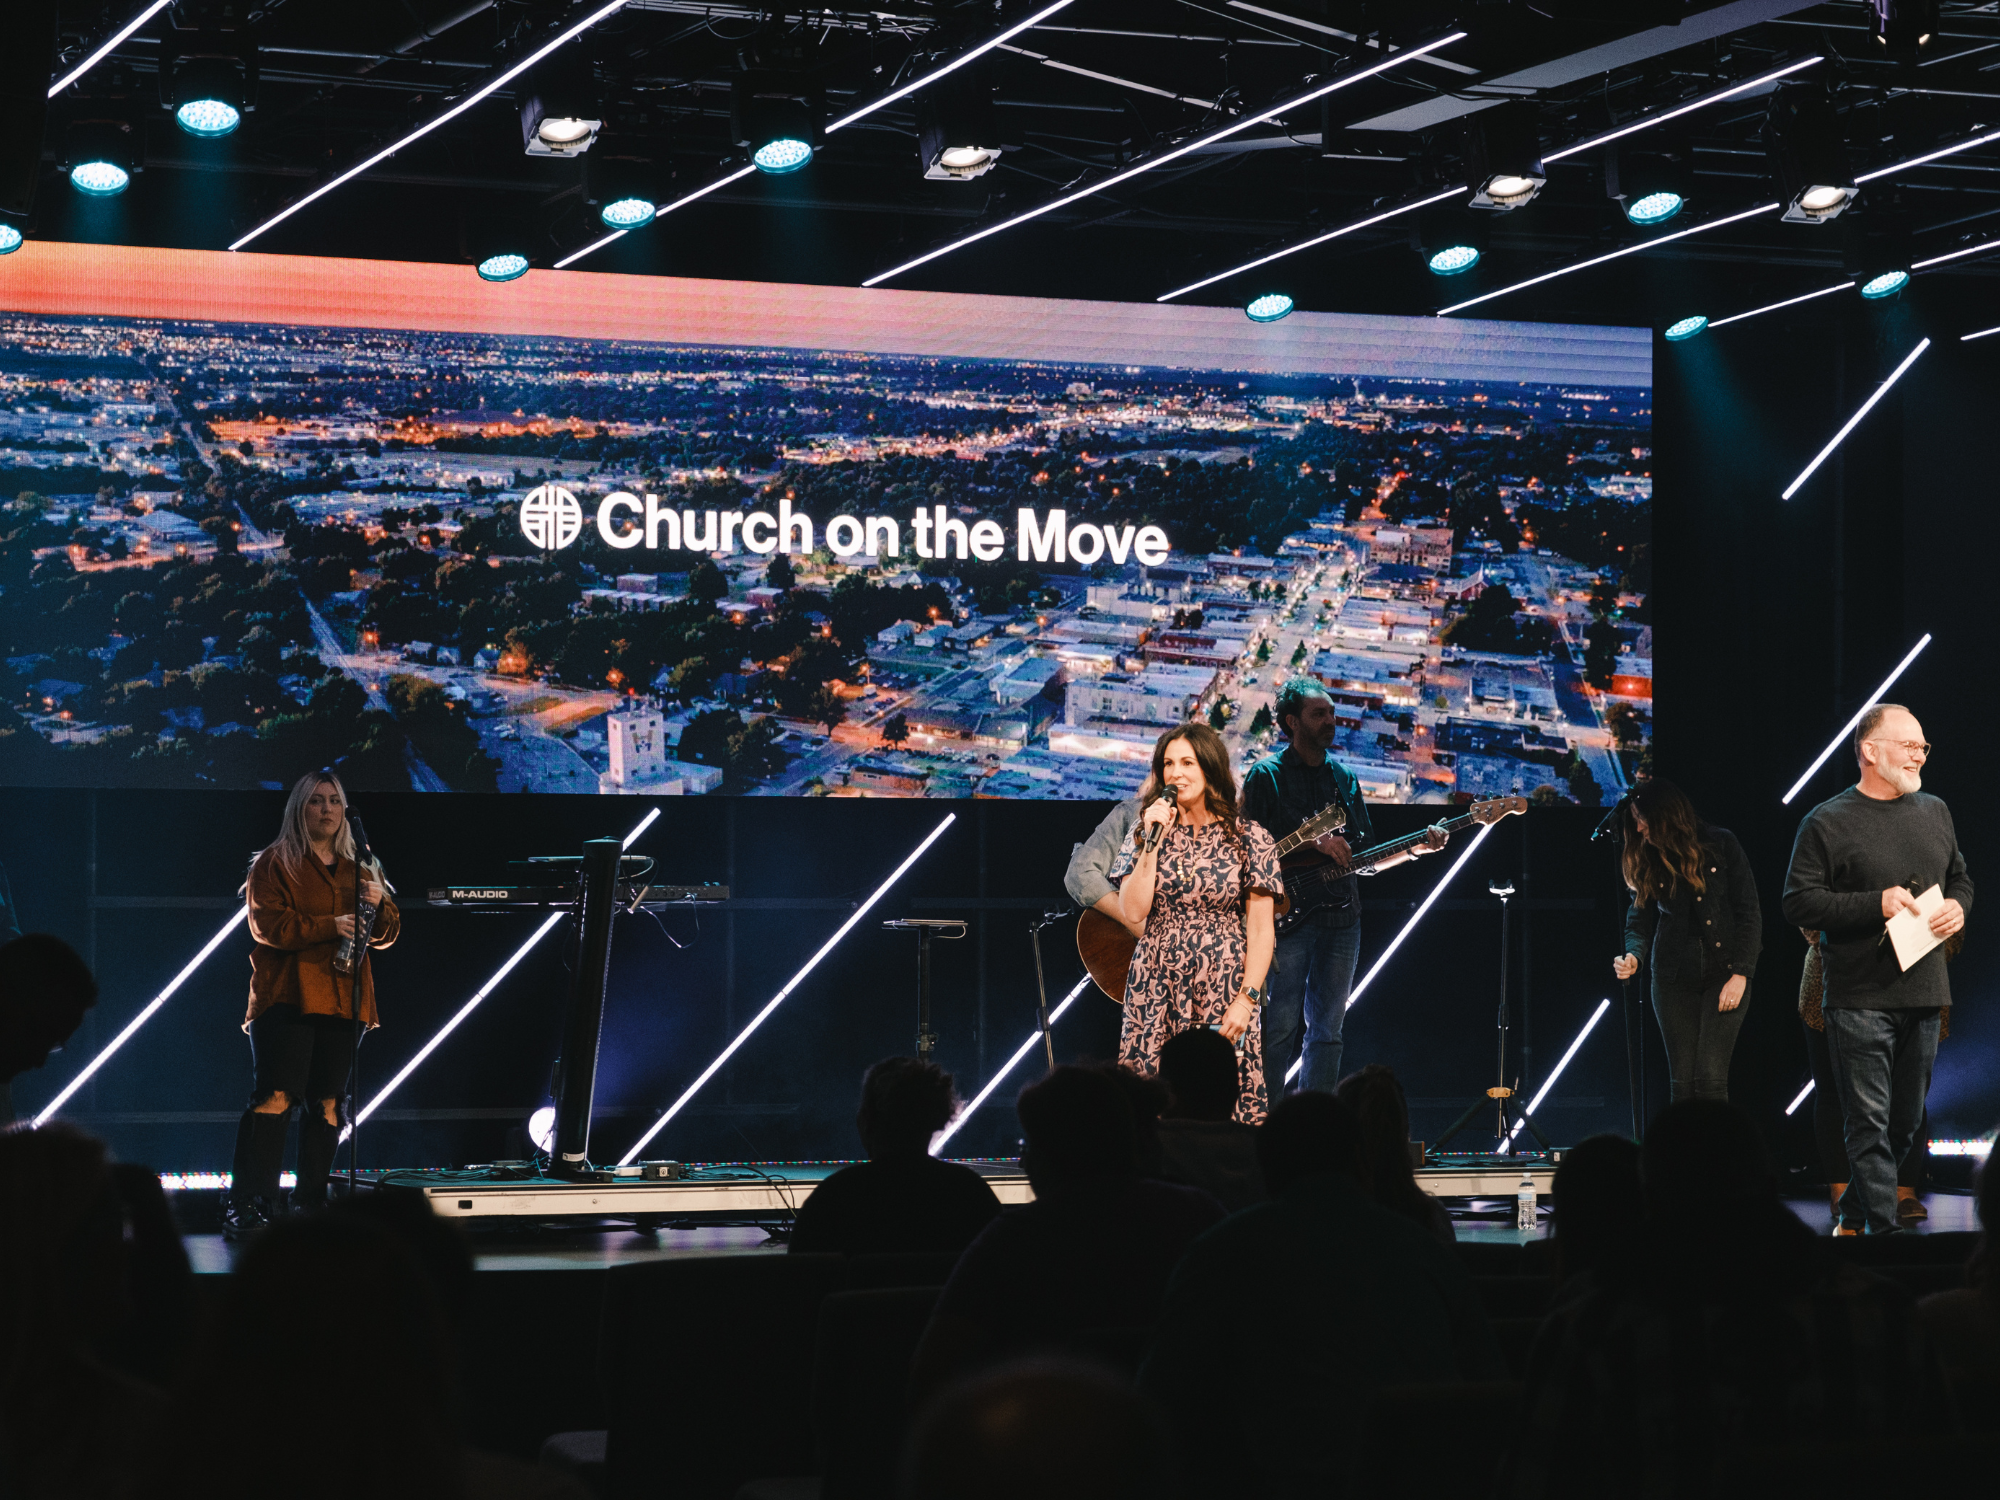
pixel 354 1001
pixel 1048 918
pixel 1635 1032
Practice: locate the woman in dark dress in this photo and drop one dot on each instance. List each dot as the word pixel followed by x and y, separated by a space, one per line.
pixel 1203 897
pixel 1694 914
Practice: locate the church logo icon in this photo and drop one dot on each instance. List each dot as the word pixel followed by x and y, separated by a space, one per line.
pixel 550 517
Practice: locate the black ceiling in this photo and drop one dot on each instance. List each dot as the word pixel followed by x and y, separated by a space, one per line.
pixel 342 78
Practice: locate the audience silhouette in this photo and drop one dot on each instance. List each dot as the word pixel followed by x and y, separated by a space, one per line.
pixel 45 991
pixel 1201 1142
pixel 1375 1098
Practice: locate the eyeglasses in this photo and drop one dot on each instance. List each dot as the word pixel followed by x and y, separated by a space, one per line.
pixel 1913 747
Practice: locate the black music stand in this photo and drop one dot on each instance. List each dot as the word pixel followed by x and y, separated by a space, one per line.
pixel 926 928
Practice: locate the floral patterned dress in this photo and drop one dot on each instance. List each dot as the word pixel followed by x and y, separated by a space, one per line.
pixel 1190 961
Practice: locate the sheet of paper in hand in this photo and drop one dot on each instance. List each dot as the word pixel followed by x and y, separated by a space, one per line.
pixel 1910 931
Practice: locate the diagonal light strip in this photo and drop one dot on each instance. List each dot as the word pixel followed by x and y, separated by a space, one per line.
pixel 1967 338
pixel 1585 265
pixel 1929 156
pixel 921 81
pixel 145 15
pixel 778 999
pixel 549 924
pixel 496 82
pixel 1855 420
pixel 1793 1108
pixel 1543 1093
pixel 1408 927
pixel 1331 234
pixel 1196 143
pixel 1011 1064
pixel 1937 260
pixel 1825 291
pixel 142 1018
pixel 1631 127
pixel 1848 728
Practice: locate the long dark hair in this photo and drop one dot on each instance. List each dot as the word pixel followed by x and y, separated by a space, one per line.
pixel 1670 853
pixel 1375 1098
pixel 1211 753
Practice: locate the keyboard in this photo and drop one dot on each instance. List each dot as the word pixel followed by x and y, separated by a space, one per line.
pixel 565 895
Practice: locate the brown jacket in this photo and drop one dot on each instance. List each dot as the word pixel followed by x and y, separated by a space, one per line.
pixel 292 921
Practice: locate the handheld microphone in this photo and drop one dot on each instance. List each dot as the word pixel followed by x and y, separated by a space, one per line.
pixel 1157 831
pixel 356 943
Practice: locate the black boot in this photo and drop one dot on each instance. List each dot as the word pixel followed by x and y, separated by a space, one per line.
pixel 319 1142
pixel 253 1190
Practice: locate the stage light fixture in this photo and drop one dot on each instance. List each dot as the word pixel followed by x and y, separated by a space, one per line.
pixel 549 924
pixel 1875 250
pixel 207 79
pixel 1855 421
pixel 1903 27
pixel 1020 1054
pixel 508 265
pixel 559 111
pixel 1450 241
pixel 1875 288
pixel 627 213
pixel 1598 260
pixel 791 984
pixel 1453 260
pixel 777 117
pixel 1503 155
pixel 958 138
pixel 1268 307
pixel 622 187
pixel 10 239
pixel 152 1009
pixel 1848 728
pixel 1808 156
pixel 1410 926
pixel 1686 328
pixel 1185 148
pixel 1550 1082
pixel 1649 186
pixel 100 156
pixel 1793 1108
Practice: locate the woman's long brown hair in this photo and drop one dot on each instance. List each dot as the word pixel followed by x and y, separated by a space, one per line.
pixel 1211 753
pixel 1670 854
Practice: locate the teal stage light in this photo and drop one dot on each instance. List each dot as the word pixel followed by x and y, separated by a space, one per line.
pixel 1453 259
pixel 1654 208
pixel 505 267
pixel 1886 285
pixel 782 155
pixel 628 213
pixel 1268 308
pixel 1686 328
pixel 10 239
pixel 99 179
pixel 209 119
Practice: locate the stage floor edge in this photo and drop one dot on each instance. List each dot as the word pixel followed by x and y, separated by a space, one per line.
pixel 725 1192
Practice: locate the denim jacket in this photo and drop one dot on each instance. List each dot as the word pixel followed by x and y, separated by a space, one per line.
pixel 1695 937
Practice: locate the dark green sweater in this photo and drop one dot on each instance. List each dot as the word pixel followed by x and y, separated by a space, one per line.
pixel 1850 849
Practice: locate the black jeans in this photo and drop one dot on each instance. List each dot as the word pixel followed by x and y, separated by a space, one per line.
pixel 1829 1138
pixel 1882 1064
pixel 1699 1037
pixel 307 1056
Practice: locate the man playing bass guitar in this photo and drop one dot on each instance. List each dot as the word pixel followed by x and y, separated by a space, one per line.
pixel 1314 966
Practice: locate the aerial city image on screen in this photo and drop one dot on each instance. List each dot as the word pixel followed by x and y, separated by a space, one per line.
pixel 442 561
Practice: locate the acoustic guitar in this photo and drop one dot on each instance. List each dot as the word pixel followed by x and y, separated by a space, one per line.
pixel 1313 884
pixel 1106 945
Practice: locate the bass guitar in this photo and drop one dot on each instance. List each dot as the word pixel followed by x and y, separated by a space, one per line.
pixel 1106 945
pixel 1311 886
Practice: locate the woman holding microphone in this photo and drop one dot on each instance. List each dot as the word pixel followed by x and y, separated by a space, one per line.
pixel 304 994
pixel 1200 884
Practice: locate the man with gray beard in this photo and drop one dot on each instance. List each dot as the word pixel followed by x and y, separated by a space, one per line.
pixel 1861 858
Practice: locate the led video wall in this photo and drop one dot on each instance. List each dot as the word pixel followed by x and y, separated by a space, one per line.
pixel 593 533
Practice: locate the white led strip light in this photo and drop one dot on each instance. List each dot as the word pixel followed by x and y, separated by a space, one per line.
pixel 1855 421
pixel 778 999
pixel 1848 728
pixel 1543 1092
pixel 104 51
pixel 1012 1063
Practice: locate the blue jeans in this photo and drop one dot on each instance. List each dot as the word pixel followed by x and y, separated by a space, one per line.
pixel 1311 974
pixel 1882 1068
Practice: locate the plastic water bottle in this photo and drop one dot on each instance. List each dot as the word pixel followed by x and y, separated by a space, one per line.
pixel 1524 1202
